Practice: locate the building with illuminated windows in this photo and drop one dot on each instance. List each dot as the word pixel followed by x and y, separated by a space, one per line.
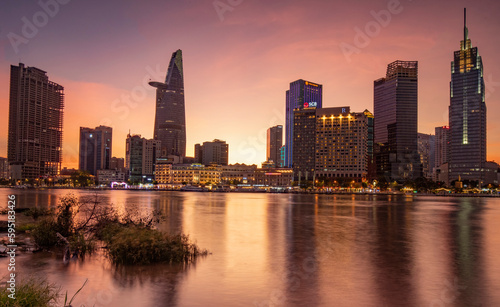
pixel 302 94
pixel 195 174
pixel 467 113
pixel 95 149
pixel 395 109
pixel 35 124
pixel 170 118
pixel 342 146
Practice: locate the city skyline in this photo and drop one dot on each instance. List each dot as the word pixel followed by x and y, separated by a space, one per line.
pixel 220 61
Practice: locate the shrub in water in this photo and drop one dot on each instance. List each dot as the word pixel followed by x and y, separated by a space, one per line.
pixel 137 245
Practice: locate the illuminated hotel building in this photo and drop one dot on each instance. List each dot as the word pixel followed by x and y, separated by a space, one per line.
pixel 342 143
pixel 302 94
pixel 170 118
pixel 396 121
pixel 35 123
pixel 467 113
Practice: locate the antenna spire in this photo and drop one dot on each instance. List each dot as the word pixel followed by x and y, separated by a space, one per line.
pixel 466 31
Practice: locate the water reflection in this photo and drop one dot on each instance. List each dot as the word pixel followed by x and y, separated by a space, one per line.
pixel 298 250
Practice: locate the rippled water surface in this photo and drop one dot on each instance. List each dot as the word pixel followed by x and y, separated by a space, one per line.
pixel 295 250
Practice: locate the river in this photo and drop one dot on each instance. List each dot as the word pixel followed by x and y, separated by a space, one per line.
pixel 293 250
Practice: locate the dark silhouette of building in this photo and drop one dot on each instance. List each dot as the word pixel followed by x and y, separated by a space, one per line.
pixel 117 164
pixel 215 152
pixel 95 149
pixel 170 119
pixel 396 121
pixel 35 123
pixel 467 113
pixel 4 168
pixel 426 151
pixel 304 140
pixel 302 94
pixel 274 144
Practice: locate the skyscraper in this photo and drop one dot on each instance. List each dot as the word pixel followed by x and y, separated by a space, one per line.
pixel 396 119
pixel 274 144
pixel 467 113
pixel 304 139
pixel 426 150
pixel 170 119
pixel 302 94
pixel 35 123
pixel 442 145
pixel 140 158
pixel 95 149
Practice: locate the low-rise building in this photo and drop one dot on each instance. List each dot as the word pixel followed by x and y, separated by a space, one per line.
pixel 194 174
pixel 275 177
pixel 238 173
pixel 107 176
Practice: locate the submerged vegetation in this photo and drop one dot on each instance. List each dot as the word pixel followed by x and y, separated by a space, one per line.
pixel 131 238
pixel 30 292
pixel 140 245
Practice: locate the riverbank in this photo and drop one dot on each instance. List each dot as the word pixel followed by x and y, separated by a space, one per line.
pixel 265 190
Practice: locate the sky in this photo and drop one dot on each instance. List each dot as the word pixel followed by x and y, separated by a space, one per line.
pixel 239 59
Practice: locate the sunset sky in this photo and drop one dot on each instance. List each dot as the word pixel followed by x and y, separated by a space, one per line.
pixel 239 58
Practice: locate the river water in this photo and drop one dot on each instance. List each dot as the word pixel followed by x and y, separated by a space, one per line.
pixel 294 250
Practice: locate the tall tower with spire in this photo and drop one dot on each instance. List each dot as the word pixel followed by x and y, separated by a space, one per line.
pixel 170 119
pixel 467 113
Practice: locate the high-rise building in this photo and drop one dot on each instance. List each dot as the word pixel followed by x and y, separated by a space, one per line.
pixel 396 121
pixel 274 144
pixel 35 123
pixel 302 94
pixel 170 119
pixel 442 141
pixel 95 148
pixel 426 150
pixel 467 113
pixel 215 152
pixel 304 140
pixel 141 155
pixel 282 156
pixel 342 144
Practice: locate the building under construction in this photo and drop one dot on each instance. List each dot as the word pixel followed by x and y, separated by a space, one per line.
pixel 35 124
